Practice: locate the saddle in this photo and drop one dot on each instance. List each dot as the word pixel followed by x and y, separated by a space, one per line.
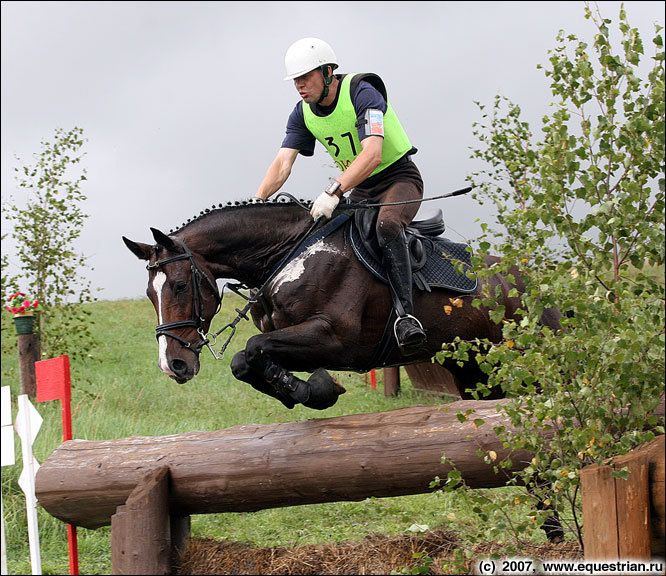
pixel 436 262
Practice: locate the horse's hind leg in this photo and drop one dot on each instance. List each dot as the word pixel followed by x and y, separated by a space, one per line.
pixel 552 526
pixel 320 391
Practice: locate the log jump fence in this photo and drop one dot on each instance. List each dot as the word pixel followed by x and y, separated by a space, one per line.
pixel 147 488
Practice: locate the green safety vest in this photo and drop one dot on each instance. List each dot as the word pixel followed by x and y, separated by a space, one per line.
pixel 339 135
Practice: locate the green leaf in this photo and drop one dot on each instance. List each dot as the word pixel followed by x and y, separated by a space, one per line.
pixel 622 473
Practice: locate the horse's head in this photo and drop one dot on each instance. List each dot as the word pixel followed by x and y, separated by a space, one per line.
pixel 185 297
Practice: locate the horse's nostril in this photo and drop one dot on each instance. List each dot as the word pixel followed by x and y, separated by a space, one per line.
pixel 179 367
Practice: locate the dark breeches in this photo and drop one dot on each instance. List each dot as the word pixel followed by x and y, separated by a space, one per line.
pixel 396 184
pixel 392 219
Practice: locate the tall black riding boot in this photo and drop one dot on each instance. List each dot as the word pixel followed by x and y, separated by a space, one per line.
pixel 407 329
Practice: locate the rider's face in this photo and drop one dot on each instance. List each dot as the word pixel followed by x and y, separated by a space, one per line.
pixel 310 86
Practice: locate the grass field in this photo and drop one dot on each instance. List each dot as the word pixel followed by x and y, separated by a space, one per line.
pixel 121 392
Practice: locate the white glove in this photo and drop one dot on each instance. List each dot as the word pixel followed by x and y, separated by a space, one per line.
pixel 324 205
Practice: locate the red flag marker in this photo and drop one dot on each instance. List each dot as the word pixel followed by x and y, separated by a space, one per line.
pixel 53 379
pixel 54 383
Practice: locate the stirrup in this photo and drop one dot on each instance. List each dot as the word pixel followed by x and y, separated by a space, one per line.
pixel 399 319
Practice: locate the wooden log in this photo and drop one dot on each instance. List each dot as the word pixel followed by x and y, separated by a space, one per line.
pixel 140 530
pixel 253 467
pixel 624 519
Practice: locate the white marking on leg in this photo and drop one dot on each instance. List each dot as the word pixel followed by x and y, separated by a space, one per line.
pixel 158 285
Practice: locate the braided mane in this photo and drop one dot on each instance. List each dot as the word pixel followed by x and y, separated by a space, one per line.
pixel 240 204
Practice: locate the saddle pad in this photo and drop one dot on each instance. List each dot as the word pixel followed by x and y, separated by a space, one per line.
pixel 439 270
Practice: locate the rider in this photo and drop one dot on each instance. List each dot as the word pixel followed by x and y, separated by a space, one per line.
pixel 351 116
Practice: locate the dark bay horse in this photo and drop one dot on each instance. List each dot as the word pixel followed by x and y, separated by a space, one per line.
pixel 322 311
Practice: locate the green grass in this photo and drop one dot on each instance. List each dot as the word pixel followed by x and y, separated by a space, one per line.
pixel 121 392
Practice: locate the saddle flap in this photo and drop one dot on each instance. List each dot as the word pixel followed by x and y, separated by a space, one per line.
pixel 365 221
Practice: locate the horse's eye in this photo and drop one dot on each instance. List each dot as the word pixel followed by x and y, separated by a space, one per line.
pixel 180 286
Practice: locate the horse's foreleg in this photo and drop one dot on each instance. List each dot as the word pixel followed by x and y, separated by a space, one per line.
pixel 320 391
pixel 265 353
pixel 243 371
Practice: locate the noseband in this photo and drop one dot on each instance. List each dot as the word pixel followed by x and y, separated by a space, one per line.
pixel 197 304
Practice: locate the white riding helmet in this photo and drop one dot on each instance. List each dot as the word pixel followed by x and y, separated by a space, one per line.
pixel 305 55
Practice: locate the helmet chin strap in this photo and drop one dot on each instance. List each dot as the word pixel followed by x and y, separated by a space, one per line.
pixel 327 82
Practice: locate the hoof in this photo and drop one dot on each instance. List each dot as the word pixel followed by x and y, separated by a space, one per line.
pixel 324 391
pixel 554 531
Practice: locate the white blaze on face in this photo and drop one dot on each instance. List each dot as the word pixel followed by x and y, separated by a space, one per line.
pixel 158 285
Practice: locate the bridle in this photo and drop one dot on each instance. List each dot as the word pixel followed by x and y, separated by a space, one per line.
pixel 198 318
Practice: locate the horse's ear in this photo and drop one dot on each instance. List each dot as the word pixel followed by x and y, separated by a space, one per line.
pixel 140 250
pixel 163 240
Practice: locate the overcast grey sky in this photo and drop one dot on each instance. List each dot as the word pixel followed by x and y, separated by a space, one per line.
pixel 183 103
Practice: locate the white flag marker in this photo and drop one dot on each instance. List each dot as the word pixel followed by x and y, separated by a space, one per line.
pixel 28 422
pixel 7 454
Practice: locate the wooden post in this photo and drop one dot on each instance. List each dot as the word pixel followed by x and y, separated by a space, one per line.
pixel 624 519
pixel 391 381
pixel 657 480
pixel 599 519
pixel 140 529
pixel 633 510
pixel 180 532
pixel 28 352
